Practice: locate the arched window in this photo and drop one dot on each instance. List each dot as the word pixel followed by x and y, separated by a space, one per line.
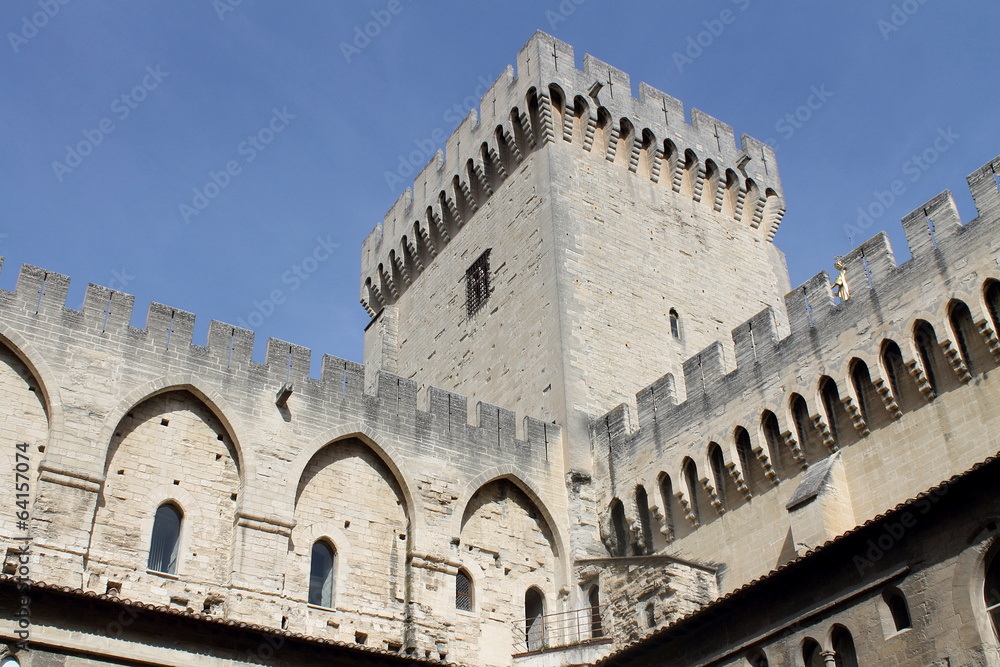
pixel 965 332
pixel 831 399
pixel 667 496
pixel 165 540
pixel 675 325
pixel 321 575
pixel 751 471
pixel 861 379
pixel 645 521
pixel 898 608
pixel 718 471
pixel 804 430
pixel 596 624
pixel 691 479
pixel 650 615
pixel 924 337
pixel 811 654
pixel 843 648
pixel 756 658
pixel 903 390
pixel 776 448
pixel 463 591
pixel 618 525
pixel 534 628
pixel 993 302
pixel 991 592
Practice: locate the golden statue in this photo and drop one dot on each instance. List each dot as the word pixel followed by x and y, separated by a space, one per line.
pixel 840 287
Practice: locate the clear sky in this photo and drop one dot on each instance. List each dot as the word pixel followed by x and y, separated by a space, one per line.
pixel 115 115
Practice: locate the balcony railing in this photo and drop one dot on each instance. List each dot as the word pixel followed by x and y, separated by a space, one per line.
pixel 562 629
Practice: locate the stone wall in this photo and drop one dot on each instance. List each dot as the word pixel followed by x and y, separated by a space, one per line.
pixel 140 417
pixel 896 433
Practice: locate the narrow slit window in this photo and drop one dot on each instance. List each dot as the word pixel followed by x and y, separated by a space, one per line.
pixel 675 325
pixel 964 328
pixel 925 337
pixel 719 472
pixel 477 285
pixel 831 397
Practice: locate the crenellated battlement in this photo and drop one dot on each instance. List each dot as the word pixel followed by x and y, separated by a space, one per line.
pixel 952 263
pixel 167 340
pixel 551 103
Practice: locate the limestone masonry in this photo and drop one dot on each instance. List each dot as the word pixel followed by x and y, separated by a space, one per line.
pixel 595 423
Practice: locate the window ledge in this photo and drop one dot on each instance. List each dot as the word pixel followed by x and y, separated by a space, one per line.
pixel 470 614
pixel 165 575
pixel 321 608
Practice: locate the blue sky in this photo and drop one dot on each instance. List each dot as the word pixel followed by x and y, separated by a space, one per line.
pixel 301 131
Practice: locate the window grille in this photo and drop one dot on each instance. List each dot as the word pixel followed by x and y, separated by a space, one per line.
pixel 477 284
pixel 463 592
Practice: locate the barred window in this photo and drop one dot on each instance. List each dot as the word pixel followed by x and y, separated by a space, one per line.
pixel 477 284
pixel 463 591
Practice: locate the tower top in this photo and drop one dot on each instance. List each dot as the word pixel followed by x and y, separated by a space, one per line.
pixel 523 112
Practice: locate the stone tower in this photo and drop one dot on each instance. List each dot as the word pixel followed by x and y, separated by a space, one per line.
pixel 576 244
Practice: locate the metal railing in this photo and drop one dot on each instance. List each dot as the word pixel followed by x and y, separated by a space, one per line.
pixel 561 629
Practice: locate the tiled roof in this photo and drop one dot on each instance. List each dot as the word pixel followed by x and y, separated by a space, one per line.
pixel 216 620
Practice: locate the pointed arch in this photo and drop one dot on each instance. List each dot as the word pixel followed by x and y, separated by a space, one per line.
pixel 619 529
pixel 645 519
pixel 713 185
pixel 936 370
pixel 753 210
pixel 668 500
pixel 49 394
pixel 671 168
pixel 375 441
pixel 717 462
pixel 689 471
pixel 971 347
pixel 869 402
pixel 779 453
pixel 991 299
pixel 901 385
pixel 753 473
pixel 518 477
pixel 691 179
pixel 810 441
pixel 732 201
pixel 34 363
pixel 581 119
pixel 211 399
pixel 837 420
